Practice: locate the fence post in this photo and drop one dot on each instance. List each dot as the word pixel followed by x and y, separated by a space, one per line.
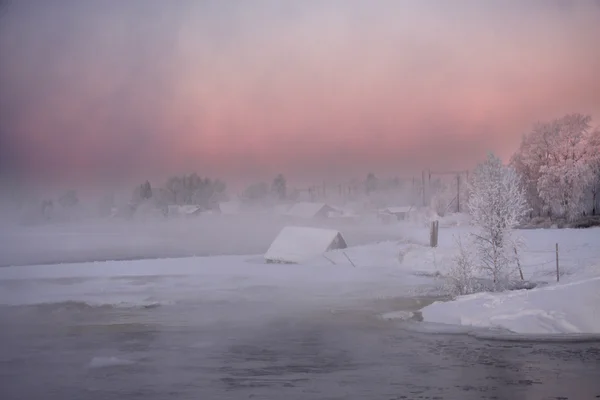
pixel 557 273
pixel 433 234
pixel 519 264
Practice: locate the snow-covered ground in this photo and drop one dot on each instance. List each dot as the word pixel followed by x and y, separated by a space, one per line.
pixel 570 306
pixel 401 267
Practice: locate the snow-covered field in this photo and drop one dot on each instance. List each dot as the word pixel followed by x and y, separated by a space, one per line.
pixel 401 267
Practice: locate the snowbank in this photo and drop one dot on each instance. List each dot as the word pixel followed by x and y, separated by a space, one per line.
pixel 560 309
pixel 295 244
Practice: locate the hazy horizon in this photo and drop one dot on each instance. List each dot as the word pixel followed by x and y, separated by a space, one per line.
pixel 114 91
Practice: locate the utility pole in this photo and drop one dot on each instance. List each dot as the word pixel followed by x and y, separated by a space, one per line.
pixel 423 186
pixel 429 182
pixel 557 271
pixel 458 192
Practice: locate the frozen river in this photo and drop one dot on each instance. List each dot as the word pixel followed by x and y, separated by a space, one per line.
pixel 232 335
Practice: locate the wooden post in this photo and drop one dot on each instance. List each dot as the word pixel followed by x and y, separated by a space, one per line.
pixel 557 273
pixel 354 265
pixel 433 234
pixel 519 264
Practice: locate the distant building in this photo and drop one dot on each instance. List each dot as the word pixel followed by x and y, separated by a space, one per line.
pixel 399 213
pixel 310 210
pixel 229 207
pixel 148 209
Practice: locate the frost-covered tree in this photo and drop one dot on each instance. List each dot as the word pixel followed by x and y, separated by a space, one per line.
pixel 555 161
pixel 279 187
pixel 536 151
pixel 192 189
pixel 462 272
pixel 497 204
pixel 594 161
pixel 563 185
pixel 568 172
pixel 371 183
pixel 141 193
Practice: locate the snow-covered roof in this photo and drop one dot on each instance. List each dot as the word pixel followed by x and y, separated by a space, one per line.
pixel 307 209
pixel 295 244
pixel 189 209
pixel 230 207
pixel 397 210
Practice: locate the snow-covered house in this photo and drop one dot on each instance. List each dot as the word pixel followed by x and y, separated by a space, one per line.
pixel 295 244
pixel 148 209
pixel 400 213
pixel 309 210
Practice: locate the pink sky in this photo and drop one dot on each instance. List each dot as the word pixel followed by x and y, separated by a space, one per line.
pixel 316 90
